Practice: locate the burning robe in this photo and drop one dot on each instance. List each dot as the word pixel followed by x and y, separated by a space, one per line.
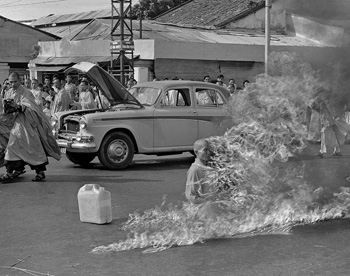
pixel 27 134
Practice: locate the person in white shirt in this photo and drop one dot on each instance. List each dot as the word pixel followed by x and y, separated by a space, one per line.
pixel 37 93
pixel 61 100
pixel 86 99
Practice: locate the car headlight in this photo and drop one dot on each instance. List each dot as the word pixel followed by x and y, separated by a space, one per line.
pixel 82 124
pixel 54 122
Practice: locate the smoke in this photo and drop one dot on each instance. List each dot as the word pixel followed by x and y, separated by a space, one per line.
pixel 256 190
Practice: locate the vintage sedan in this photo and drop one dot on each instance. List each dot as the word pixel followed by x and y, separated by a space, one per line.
pixel 158 118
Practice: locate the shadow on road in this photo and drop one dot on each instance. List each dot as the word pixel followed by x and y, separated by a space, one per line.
pixel 147 164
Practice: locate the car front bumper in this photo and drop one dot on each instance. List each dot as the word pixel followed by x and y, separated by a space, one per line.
pixel 62 143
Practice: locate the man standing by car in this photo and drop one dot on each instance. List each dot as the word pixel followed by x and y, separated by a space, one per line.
pixel 86 98
pixel 62 99
pixel 37 93
pixel 30 139
pixel 71 88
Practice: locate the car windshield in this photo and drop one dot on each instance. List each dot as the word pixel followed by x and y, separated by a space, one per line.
pixel 145 95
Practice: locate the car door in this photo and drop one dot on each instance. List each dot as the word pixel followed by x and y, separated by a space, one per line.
pixel 212 119
pixel 175 120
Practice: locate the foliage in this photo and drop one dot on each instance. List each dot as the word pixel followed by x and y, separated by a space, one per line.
pixel 149 9
pixel 36 51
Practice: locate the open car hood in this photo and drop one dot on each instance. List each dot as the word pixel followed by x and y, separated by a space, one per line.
pixel 115 92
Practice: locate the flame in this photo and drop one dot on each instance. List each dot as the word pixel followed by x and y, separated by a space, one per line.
pixel 256 191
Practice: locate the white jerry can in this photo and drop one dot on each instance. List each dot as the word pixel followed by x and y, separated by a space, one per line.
pixel 94 204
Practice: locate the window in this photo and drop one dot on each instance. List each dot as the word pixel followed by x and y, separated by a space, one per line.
pixel 177 97
pixel 208 97
pixel 145 95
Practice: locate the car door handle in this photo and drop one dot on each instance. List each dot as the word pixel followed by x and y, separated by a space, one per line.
pixel 194 112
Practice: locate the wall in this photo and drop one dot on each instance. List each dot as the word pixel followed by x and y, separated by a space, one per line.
pixel 319 8
pixel 65 48
pixel 16 45
pixel 243 67
pixel 4 72
pixel 93 48
pixel 197 69
pixel 17 41
pixel 314 30
pixel 144 48
pixel 207 51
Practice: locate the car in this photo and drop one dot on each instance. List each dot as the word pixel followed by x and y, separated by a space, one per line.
pixel 152 118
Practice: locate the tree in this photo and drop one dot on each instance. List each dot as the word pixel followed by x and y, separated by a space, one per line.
pixel 149 9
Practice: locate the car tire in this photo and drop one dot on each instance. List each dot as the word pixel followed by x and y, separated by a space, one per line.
pixel 116 151
pixel 82 159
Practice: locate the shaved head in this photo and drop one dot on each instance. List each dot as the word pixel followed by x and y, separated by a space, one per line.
pixel 14 75
pixel 199 144
pixel 201 150
pixel 14 80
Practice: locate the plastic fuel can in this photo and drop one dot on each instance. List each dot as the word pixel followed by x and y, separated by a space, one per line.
pixel 94 204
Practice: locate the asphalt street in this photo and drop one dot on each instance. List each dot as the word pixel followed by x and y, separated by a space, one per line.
pixel 41 230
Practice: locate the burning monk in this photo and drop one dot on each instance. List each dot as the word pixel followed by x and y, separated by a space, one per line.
pixel 196 190
pixel 27 132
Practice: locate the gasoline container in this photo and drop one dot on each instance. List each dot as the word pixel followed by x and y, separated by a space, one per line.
pixel 94 204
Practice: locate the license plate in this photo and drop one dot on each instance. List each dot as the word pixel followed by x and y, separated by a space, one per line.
pixel 63 150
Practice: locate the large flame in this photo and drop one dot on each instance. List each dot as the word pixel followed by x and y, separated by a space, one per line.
pixel 253 195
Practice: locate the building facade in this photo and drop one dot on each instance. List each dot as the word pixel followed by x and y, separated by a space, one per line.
pixel 202 38
pixel 18 45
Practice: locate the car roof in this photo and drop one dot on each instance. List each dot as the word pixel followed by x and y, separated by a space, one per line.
pixel 171 83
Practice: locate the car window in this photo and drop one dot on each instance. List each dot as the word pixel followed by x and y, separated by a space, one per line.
pixel 177 97
pixel 145 95
pixel 208 97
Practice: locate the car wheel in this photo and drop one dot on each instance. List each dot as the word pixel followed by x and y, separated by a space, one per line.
pixel 116 151
pixel 82 159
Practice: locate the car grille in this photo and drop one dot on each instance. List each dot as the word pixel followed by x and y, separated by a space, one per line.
pixel 71 127
pixel 70 124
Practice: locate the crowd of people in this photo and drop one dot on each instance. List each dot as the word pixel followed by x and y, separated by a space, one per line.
pixel 231 86
pixel 327 128
pixel 57 94
pixel 25 129
pixel 34 100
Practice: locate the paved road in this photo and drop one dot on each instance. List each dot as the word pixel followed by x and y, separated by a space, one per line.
pixel 40 225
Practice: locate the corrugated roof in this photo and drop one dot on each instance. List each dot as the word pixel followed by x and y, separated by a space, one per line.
pixel 64 31
pixel 94 30
pixel 209 13
pixel 30 27
pixel 67 60
pixel 66 18
pixel 99 29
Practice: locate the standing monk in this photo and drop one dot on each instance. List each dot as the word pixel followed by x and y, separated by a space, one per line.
pixel 62 100
pixel 30 139
pixel 334 128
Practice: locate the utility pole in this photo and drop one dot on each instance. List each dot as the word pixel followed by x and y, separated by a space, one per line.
pixel 267 35
pixel 122 43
